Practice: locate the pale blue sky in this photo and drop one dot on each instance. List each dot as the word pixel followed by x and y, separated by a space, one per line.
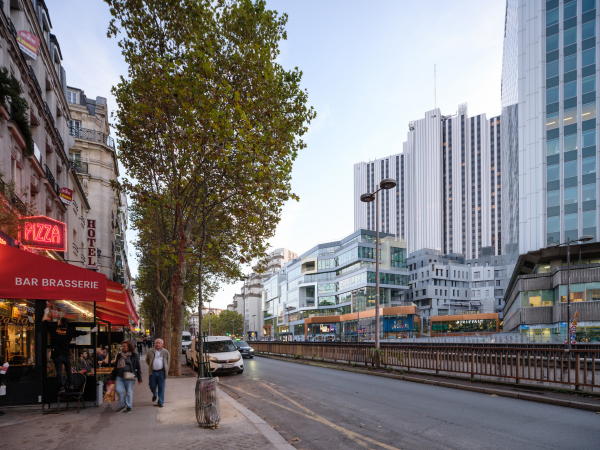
pixel 368 68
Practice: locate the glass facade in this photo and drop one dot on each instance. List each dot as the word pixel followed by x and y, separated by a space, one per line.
pixel 571 191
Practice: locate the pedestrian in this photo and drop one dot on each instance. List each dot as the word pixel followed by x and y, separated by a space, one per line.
pixel 61 334
pixel 139 345
pixel 158 360
pixel 127 369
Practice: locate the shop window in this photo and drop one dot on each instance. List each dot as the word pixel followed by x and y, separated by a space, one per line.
pixel 74 311
pixel 17 339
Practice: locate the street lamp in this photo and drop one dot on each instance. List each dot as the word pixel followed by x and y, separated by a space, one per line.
pixel 386 183
pixel 208 301
pixel 254 322
pixel 232 327
pixel 568 244
pixel 244 278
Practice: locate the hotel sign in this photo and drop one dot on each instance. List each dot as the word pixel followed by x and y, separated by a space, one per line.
pixel 43 233
pixel 91 259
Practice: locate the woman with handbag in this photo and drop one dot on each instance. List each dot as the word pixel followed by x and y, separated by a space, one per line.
pixel 127 369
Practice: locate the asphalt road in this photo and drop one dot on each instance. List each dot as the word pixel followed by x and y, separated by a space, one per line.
pixel 319 408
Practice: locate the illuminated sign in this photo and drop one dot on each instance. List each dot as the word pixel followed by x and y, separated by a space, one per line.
pixel 5 239
pixel 43 233
pixel 91 258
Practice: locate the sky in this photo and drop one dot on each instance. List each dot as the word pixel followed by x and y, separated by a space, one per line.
pixel 369 70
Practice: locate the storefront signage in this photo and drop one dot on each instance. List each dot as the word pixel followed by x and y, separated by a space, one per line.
pixel 28 43
pixel 43 233
pixel 66 196
pixel 91 257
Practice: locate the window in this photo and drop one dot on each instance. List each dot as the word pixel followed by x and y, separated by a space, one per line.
pixel 552 173
pixel 553 199
pixel 588 192
pixel 570 222
pixel 588 30
pixel 552 121
pixel 588 84
pixel 75 128
pixel 588 165
pixel 570 37
pixel 552 95
pixel 72 97
pixel 588 138
pixel 551 17
pixel 552 42
pixel 586 5
pixel 570 90
pixel 570 117
pixel 552 69
pixel 570 169
pixel 570 143
pixel 588 57
pixel 552 147
pixel 570 63
pixel 570 196
pixel 553 224
pixel 589 219
pixel 588 111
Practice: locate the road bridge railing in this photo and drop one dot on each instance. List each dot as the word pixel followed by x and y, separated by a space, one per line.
pixel 548 365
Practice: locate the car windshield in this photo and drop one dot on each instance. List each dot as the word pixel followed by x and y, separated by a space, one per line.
pixel 241 344
pixel 219 347
pixel 186 339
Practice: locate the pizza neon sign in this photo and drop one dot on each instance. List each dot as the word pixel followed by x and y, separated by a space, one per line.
pixel 43 233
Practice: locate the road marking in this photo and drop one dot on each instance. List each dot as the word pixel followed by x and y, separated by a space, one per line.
pixel 349 433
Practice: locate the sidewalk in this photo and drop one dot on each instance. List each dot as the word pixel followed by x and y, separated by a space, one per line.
pixel 146 427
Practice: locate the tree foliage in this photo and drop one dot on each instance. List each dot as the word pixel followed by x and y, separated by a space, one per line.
pixel 230 322
pixel 209 126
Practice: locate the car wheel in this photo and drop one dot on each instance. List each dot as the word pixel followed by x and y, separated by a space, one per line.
pixel 240 371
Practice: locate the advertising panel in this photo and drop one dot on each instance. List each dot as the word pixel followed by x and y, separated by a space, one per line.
pixel 66 196
pixel 28 43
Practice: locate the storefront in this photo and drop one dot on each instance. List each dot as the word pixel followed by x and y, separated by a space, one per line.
pixel 466 324
pixel 29 284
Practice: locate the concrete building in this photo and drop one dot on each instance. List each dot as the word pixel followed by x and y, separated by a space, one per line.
pixel 249 302
pixel 549 123
pixel 442 285
pixel 94 157
pixel 38 169
pixel 328 292
pixel 448 185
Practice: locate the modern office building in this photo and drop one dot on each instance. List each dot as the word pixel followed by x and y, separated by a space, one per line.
pixel 328 293
pixel 549 125
pixel 448 185
pixel 442 285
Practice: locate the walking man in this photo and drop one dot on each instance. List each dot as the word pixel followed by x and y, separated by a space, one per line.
pixel 139 345
pixel 158 360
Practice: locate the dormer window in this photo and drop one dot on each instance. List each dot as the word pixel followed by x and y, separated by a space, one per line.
pixel 72 97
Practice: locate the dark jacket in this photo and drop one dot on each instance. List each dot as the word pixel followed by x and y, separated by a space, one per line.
pixel 133 365
pixel 61 337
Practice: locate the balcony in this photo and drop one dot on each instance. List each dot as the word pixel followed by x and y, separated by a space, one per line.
pixel 92 135
pixel 78 166
pixel 35 80
pixel 12 28
pixel 51 179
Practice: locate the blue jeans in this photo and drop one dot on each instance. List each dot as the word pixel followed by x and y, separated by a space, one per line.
pixel 122 387
pixel 157 381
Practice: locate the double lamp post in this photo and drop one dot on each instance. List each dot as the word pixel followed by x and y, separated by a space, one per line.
pixel 386 183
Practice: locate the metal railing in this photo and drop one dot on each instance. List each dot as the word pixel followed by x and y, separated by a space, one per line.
pixel 79 166
pixel 51 179
pixel 35 80
pixel 12 28
pixel 532 364
pixel 92 135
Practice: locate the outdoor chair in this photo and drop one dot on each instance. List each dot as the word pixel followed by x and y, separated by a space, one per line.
pixel 76 393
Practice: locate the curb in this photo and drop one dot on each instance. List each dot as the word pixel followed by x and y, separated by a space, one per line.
pixel 446 384
pixel 267 431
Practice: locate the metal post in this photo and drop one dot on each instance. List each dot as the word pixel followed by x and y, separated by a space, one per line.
pixel 209 316
pixel 568 294
pixel 244 315
pixel 232 327
pixel 377 271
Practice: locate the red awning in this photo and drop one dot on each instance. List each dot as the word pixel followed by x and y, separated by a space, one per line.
pixel 26 275
pixel 118 307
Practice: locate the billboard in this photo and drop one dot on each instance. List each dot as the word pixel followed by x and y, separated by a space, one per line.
pixel 66 196
pixel 43 233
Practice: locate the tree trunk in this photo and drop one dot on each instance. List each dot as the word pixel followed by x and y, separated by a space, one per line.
pixel 166 328
pixel 176 336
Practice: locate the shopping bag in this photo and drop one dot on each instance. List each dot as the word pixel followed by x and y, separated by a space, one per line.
pixel 111 395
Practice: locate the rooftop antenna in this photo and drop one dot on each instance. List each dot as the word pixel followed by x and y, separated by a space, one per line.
pixel 434 88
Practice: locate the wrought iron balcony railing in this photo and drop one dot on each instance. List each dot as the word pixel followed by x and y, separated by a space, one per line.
pixel 51 179
pixel 35 80
pixel 12 28
pixel 91 135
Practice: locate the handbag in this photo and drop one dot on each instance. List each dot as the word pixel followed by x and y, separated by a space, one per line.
pixel 128 376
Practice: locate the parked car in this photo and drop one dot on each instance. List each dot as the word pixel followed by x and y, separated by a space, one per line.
pixel 220 352
pixel 186 340
pixel 245 349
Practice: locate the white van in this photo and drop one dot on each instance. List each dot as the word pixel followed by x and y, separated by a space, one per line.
pixel 186 340
pixel 221 352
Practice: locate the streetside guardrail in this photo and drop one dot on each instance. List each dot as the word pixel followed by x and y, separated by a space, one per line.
pixel 532 364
